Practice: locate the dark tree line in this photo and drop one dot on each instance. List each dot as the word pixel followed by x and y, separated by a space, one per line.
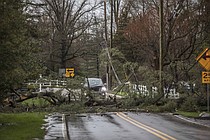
pixel 18 46
pixel 43 37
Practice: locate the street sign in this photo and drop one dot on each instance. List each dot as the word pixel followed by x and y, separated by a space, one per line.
pixel 205 77
pixel 70 72
pixel 204 59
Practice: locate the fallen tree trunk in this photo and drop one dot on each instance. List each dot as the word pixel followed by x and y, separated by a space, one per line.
pixel 15 97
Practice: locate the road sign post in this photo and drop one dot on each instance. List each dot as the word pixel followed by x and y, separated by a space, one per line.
pixel 206 80
pixel 204 60
pixel 207 90
pixel 207 97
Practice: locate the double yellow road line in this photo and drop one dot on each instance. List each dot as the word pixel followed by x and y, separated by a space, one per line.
pixel 149 129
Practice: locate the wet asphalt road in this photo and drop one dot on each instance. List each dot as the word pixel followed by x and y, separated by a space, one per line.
pixel 133 126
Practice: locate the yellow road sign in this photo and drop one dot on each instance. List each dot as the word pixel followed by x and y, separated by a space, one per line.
pixel 204 59
pixel 70 72
pixel 205 77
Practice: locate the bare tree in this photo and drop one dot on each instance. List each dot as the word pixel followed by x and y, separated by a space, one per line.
pixel 69 19
pixel 182 33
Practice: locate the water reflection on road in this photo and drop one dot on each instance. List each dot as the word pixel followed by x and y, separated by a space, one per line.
pixel 123 126
pixel 103 127
pixel 54 127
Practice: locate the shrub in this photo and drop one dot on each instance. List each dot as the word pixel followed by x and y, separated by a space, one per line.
pixel 129 102
pixel 152 108
pixel 190 104
pixel 170 106
pixel 35 102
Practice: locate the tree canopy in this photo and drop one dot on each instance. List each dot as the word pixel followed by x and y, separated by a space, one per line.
pixel 42 36
pixel 17 46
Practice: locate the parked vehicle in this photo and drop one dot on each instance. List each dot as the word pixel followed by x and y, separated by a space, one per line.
pixel 95 86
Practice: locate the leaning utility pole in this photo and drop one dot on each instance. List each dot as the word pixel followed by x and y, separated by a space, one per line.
pixel 160 45
pixel 109 65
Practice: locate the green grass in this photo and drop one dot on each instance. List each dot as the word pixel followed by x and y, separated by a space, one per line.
pixel 21 126
pixel 188 114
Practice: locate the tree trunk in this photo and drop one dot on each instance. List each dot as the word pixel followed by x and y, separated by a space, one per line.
pixel 63 54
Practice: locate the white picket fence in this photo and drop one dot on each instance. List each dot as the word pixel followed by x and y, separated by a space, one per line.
pixel 144 91
pixel 44 83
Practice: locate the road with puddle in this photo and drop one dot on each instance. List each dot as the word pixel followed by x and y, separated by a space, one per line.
pixel 126 126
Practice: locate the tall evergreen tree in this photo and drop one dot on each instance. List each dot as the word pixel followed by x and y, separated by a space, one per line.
pixel 17 59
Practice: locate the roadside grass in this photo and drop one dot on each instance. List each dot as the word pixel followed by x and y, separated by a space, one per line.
pixel 21 126
pixel 188 114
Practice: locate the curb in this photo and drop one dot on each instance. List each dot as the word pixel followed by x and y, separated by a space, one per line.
pixel 190 121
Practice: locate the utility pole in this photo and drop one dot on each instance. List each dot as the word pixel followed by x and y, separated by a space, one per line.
pixel 111 38
pixel 105 21
pixel 207 97
pixel 160 45
pixel 106 38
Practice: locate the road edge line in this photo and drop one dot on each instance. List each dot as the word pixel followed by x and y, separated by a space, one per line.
pixel 65 128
